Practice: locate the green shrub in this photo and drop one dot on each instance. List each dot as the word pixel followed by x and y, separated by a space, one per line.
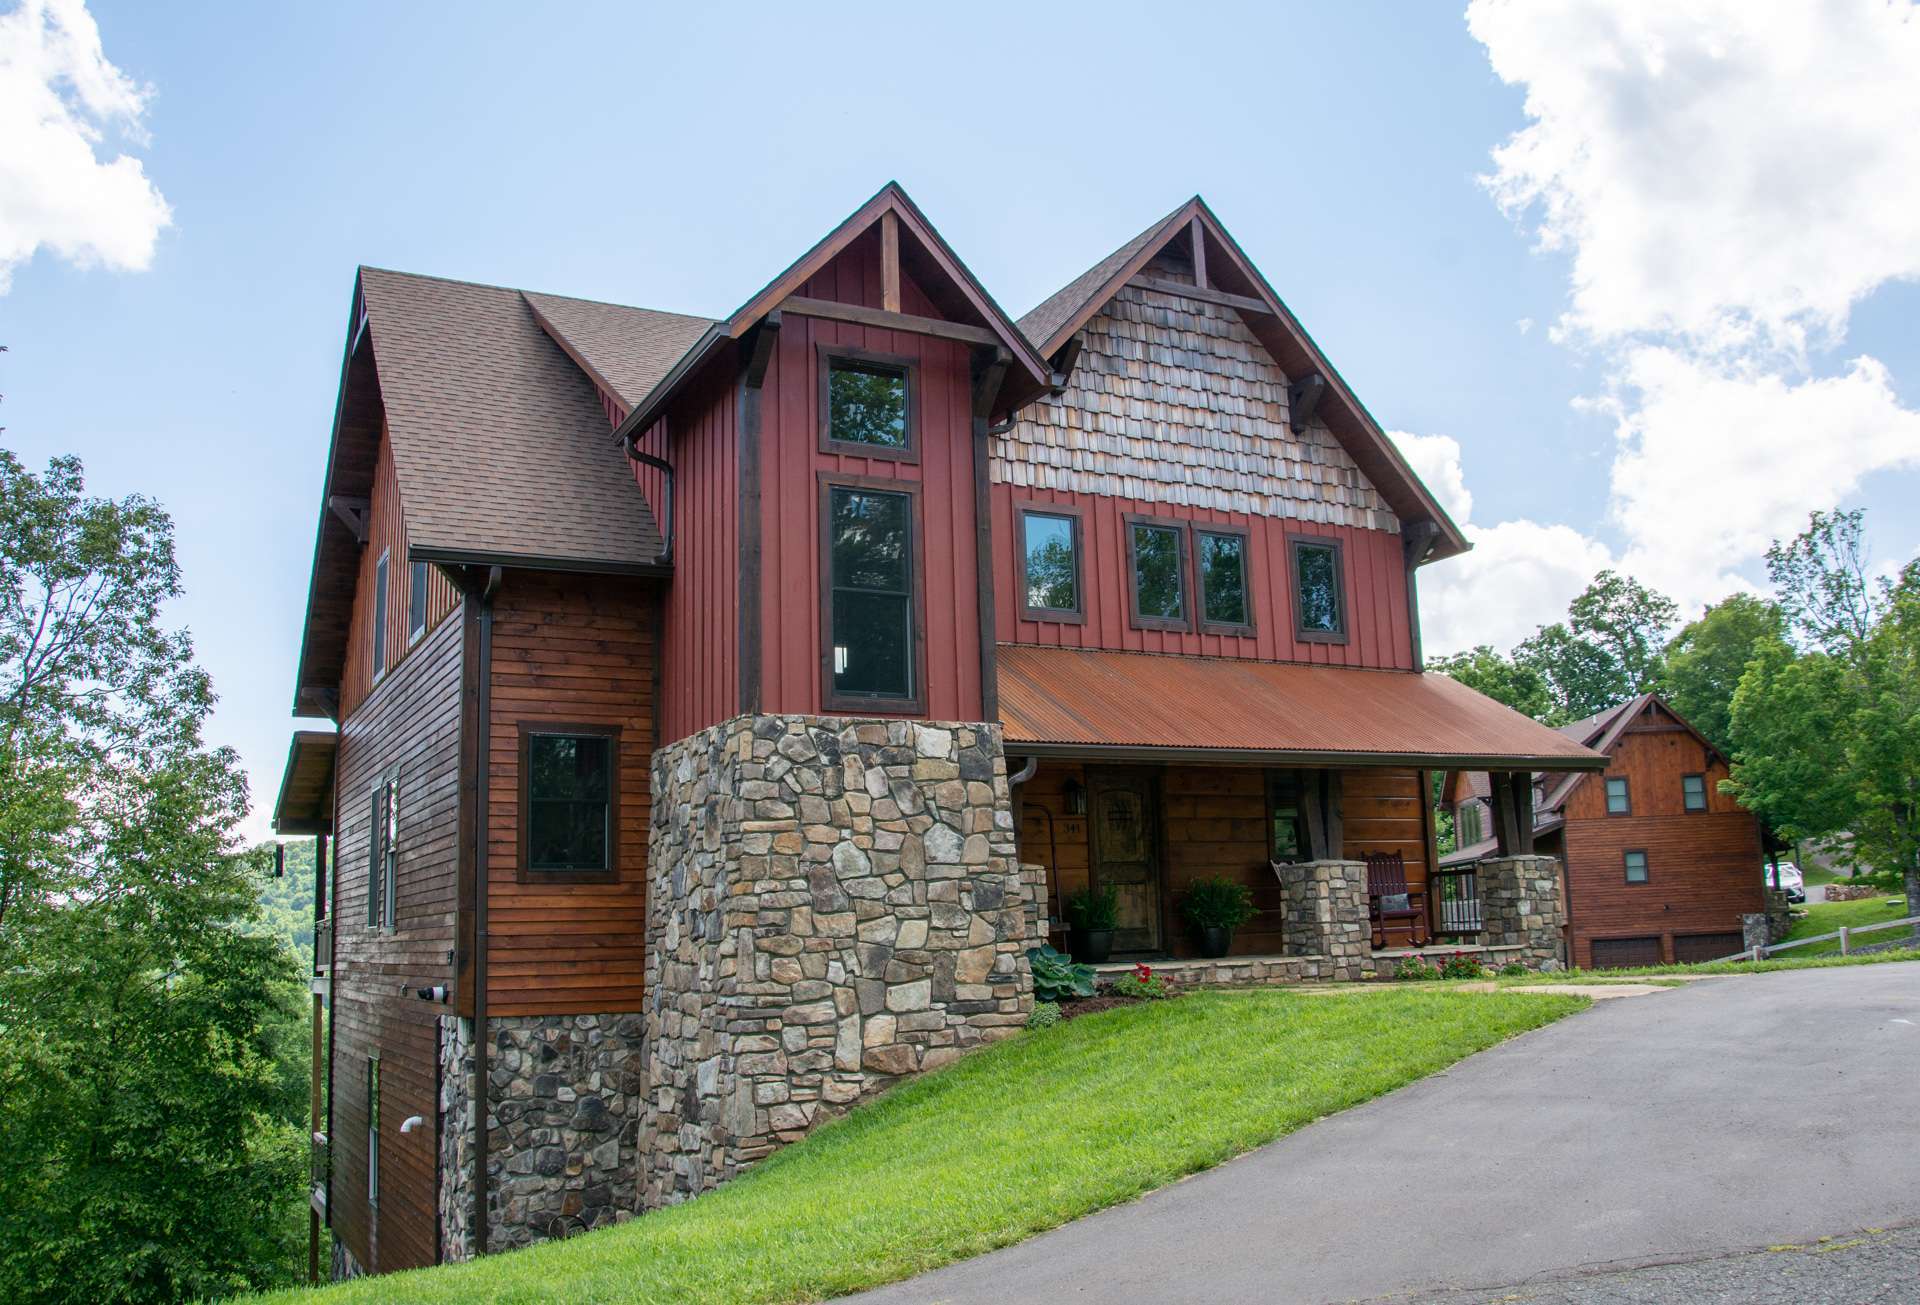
pixel 1056 977
pixel 1512 970
pixel 1092 909
pixel 1462 965
pixel 1142 982
pixel 1045 1015
pixel 1414 969
pixel 1217 903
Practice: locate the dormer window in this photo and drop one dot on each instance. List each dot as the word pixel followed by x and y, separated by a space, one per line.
pixel 867 404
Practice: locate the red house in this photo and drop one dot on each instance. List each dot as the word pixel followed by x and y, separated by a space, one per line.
pixel 1660 865
pixel 724 705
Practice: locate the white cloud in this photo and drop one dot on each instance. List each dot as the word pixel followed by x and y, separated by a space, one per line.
pixel 59 99
pixel 1725 170
pixel 1436 460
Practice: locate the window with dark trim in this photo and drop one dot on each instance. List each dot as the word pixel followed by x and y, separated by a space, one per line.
pixel 1467 818
pixel 383 852
pixel 868 404
pixel 1619 801
pixel 1319 589
pixel 1286 818
pixel 416 603
pixel 1050 565
pixel 569 802
pixel 869 592
pixel 1157 566
pixel 380 616
pixel 1222 557
pixel 1635 860
pixel 373 1130
pixel 1693 792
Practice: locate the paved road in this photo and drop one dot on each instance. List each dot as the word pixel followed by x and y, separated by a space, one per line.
pixel 1727 1115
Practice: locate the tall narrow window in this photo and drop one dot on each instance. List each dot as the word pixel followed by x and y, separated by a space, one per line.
pixel 383 852
pixel 1286 819
pixel 869 596
pixel 1636 862
pixel 1050 566
pixel 1158 553
pixel 373 1130
pixel 866 403
pixel 1693 792
pixel 570 805
pixel 380 617
pixel 1319 588
pixel 417 602
pixel 1468 821
pixel 1618 803
pixel 1223 581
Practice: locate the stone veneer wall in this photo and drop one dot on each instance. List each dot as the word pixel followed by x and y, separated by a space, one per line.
pixel 831 903
pixel 564 1095
pixel 1324 918
pixel 1522 904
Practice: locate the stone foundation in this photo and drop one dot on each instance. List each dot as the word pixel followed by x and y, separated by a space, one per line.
pixel 344 1265
pixel 1325 918
pixel 1522 905
pixel 564 1098
pixel 831 904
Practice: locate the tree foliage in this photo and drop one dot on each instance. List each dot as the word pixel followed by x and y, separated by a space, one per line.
pixel 1606 651
pixel 149 1148
pixel 1703 665
pixel 1516 684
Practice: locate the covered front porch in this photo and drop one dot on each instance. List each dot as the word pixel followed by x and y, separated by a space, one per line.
pixel 1311 787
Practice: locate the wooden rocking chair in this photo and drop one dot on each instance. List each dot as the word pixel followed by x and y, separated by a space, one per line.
pixel 1389 900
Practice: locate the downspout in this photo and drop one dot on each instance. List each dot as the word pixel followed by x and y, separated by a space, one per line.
pixel 479 1093
pixel 665 469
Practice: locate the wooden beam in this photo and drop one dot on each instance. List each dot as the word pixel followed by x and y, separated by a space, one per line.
pixel 1312 786
pixel 753 374
pixel 1336 819
pixel 1523 810
pixel 989 367
pixel 1303 400
pixel 1506 820
pixel 353 511
pixel 1199 241
pixel 1206 296
pixel 890 261
pixel 1063 362
pixel 886 321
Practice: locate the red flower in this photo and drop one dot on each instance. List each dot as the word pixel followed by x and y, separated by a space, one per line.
pixel 1142 971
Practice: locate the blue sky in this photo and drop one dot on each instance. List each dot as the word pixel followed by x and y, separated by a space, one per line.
pixel 677 159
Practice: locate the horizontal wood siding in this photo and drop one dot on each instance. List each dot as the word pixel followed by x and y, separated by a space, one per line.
pixel 1703 868
pixel 411 720
pixel 578 650
pixel 386 533
pixel 790 502
pixel 1376 586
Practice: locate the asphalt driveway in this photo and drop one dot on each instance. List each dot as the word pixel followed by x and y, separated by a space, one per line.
pixel 1729 1114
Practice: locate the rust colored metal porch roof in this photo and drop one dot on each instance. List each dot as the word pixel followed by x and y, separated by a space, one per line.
pixel 1075 701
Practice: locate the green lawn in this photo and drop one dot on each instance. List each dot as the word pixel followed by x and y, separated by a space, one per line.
pixel 1825 917
pixel 1006 1143
pixel 1676 973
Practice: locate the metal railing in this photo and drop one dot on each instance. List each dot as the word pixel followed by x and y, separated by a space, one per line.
pixel 1845 935
pixel 1456 902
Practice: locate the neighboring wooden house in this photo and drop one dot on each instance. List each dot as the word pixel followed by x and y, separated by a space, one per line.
pixel 1661 866
pixel 722 702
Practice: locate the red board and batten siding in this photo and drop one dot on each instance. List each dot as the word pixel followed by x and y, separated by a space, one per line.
pixel 1376 585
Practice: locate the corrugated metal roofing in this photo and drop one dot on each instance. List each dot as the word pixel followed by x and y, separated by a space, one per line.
pixel 1065 699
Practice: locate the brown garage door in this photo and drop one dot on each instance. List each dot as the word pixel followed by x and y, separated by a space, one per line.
pixel 1618 953
pixel 1691 947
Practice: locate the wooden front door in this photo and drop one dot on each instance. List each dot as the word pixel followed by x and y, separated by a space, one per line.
pixel 1121 809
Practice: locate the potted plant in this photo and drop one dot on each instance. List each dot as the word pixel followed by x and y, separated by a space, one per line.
pixel 1091 914
pixel 1214 909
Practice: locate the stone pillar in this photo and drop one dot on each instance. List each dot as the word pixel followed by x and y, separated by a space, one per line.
pixel 831 904
pixel 1779 915
pixel 1522 904
pixel 1324 905
pixel 1756 930
pixel 1034 877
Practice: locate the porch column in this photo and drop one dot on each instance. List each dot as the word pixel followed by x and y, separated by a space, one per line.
pixel 1512 812
pixel 1324 915
pixel 1523 905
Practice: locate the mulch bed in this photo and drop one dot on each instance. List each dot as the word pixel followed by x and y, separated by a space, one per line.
pixel 1094 1005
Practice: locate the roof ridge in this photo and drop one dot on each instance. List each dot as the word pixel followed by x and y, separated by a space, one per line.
pixel 522 290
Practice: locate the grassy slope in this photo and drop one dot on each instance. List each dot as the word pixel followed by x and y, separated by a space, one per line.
pixel 1825 917
pixel 1008 1142
pixel 1674 972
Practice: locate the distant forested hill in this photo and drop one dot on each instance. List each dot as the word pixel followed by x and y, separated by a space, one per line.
pixel 286 903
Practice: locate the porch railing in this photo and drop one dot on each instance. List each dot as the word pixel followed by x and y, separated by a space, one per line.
pixel 1456 902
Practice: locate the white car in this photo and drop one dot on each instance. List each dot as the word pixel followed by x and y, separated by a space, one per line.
pixel 1790 879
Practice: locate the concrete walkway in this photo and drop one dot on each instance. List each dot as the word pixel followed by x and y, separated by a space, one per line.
pixel 1730 1114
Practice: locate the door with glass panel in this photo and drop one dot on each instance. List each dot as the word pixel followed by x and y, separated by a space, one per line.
pixel 1121 810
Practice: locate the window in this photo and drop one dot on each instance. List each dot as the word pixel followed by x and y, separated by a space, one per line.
pixel 383 854
pixel 1050 566
pixel 868 593
pixel 1467 817
pixel 417 603
pixel 1693 792
pixel 569 801
pixel 1319 590
pixel 373 1130
pixel 380 617
pixel 1158 555
pixel 1286 819
pixel 1636 866
pixel 867 403
pixel 1224 604
pixel 1617 800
